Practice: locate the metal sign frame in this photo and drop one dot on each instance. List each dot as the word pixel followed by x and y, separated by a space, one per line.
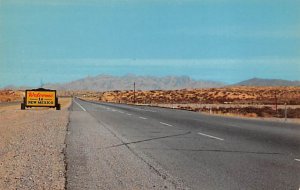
pixel 24 104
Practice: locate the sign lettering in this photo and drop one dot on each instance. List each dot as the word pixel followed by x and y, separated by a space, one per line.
pixel 40 98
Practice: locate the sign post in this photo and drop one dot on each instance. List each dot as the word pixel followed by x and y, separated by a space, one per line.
pixel 40 98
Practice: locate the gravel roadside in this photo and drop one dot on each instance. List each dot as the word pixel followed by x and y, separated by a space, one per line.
pixel 32 149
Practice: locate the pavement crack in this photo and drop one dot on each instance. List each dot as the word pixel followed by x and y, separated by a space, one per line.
pixel 65 159
pixel 151 164
pixel 150 139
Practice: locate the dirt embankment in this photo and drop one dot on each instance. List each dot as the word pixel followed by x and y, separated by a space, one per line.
pixel 31 148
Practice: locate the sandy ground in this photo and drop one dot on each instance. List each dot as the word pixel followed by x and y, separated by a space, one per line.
pixel 32 147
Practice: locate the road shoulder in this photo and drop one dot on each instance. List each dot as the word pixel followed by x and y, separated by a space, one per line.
pixel 94 162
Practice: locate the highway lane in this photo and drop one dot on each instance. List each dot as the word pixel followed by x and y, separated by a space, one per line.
pixel 207 152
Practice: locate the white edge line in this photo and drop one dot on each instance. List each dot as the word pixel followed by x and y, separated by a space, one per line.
pixel 142 117
pixel 79 105
pixel 298 161
pixel 166 124
pixel 143 109
pixel 211 136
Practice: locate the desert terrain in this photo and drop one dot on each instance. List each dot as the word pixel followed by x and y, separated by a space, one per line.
pixel 10 95
pixel 240 101
pixel 264 102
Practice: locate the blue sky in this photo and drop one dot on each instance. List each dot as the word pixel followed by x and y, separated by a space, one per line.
pixel 221 40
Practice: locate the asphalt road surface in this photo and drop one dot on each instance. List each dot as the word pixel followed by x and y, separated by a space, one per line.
pixel 204 152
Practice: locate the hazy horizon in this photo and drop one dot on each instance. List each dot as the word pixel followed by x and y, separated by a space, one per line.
pixel 42 83
pixel 233 71
pixel 225 41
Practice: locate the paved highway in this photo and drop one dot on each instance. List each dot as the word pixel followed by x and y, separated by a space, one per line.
pixel 202 151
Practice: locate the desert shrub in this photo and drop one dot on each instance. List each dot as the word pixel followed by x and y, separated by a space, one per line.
pixel 291 113
pixel 294 102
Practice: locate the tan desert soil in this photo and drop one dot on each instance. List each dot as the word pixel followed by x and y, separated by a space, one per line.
pixel 225 95
pixel 10 95
pixel 31 148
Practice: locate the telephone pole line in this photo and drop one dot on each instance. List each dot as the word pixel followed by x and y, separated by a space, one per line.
pixel 134 92
pixel 276 102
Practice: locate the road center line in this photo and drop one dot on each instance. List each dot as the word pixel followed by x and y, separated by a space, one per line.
pixel 166 124
pixel 80 106
pixel 297 160
pixel 142 117
pixel 129 114
pixel 210 136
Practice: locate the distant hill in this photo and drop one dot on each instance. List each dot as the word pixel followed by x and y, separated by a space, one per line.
pixel 267 82
pixel 108 83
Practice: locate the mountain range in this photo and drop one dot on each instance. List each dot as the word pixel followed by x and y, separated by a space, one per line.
pixel 267 82
pixel 109 83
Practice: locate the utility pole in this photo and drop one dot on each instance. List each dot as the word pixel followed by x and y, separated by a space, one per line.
pixel 285 112
pixel 134 92
pixel 276 103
